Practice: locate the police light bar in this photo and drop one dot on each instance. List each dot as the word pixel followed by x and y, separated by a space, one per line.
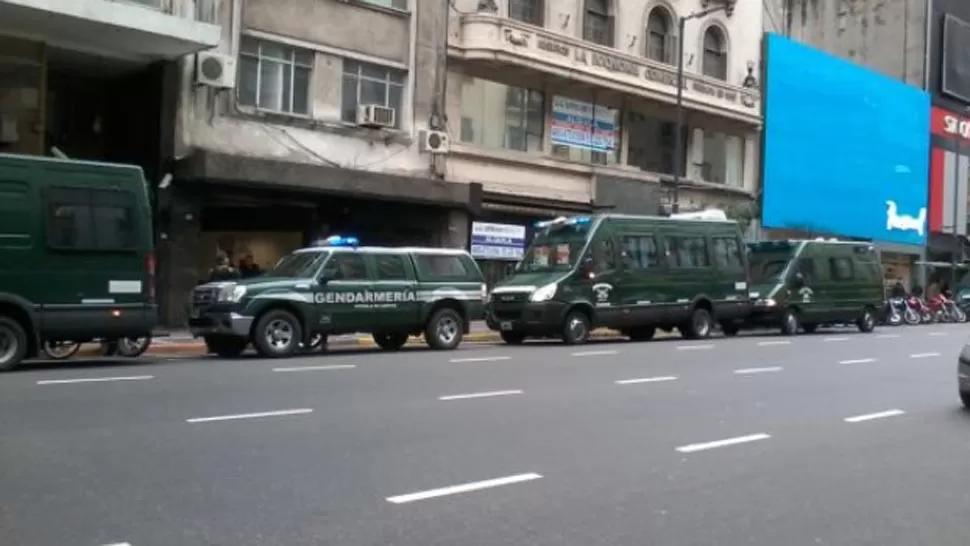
pixel 339 240
pixel 563 221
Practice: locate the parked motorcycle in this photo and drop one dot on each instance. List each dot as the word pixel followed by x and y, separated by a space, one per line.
pixel 946 310
pixel 926 315
pixel 896 308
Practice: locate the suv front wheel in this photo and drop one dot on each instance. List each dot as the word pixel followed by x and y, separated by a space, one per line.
pixel 445 330
pixel 13 343
pixel 576 328
pixel 277 335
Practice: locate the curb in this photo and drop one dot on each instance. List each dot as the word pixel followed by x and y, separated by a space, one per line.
pixel 198 348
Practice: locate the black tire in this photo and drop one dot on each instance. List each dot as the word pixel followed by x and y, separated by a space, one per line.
pixel 278 334
pixel 60 350
pixel 643 333
pixel 867 321
pixel 133 347
pixel 390 341
pixel 226 346
pixel 576 328
pixel 730 329
pixel 699 325
pixel 790 322
pixel 317 342
pixel 445 330
pixel 965 398
pixel 513 338
pixel 13 344
pixel 810 328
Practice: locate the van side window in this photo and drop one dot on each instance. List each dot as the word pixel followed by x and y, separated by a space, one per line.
pixel 687 251
pixel 441 266
pixel 727 253
pixel 806 266
pixel 90 219
pixel 604 257
pixel 347 267
pixel 641 251
pixel 390 267
pixel 841 269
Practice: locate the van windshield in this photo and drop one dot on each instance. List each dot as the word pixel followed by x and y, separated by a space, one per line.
pixel 555 249
pixel 767 266
pixel 298 265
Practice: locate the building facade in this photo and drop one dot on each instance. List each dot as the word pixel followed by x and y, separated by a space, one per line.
pixel 569 106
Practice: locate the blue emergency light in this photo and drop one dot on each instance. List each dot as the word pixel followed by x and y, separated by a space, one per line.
pixel 563 221
pixel 339 240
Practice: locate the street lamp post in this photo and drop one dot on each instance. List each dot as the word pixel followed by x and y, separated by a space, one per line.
pixel 679 159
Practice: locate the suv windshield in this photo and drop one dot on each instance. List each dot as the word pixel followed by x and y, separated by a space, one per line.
pixel 298 264
pixel 555 249
pixel 767 267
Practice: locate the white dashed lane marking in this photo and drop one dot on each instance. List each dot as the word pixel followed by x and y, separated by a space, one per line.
pixel 924 355
pixel 748 371
pixel 691 448
pixel 481 359
pixel 871 416
pixel 858 361
pixel 315 368
pixel 596 353
pixel 694 347
pixel 279 413
pixel 463 488
pixel 488 394
pixel 94 380
pixel 887 336
pixel 770 343
pixel 937 333
pixel 659 379
pixel 830 339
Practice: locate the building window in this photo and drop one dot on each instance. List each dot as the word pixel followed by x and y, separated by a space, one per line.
pixel 368 84
pixel 396 4
pixel 584 132
pixel 650 143
pixel 494 115
pixel 661 39
pixel 98 220
pixel 274 77
pixel 715 53
pixel 527 11
pixel 598 22
pixel 723 159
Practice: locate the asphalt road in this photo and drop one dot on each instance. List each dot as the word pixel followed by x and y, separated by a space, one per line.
pixel 837 438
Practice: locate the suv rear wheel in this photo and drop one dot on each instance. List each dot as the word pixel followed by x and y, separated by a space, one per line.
pixel 278 334
pixel 513 338
pixel 390 341
pixel 445 330
pixel 867 321
pixel 13 343
pixel 699 325
pixel 226 346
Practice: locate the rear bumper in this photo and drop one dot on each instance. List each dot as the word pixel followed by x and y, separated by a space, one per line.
pixel 226 323
pixel 82 323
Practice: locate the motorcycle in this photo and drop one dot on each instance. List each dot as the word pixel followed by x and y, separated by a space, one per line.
pixel 946 310
pixel 896 309
pixel 922 310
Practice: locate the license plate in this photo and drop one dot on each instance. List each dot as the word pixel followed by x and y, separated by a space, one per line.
pixel 506 326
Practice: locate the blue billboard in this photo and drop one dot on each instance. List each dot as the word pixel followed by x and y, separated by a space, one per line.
pixel 846 150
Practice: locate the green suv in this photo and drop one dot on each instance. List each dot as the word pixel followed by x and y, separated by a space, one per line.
pixel 340 288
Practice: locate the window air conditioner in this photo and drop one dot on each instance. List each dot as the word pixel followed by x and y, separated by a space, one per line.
pixel 375 116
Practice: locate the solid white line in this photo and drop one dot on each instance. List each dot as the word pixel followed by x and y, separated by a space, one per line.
pixel 769 343
pixel 595 353
pixel 315 368
pixel 463 488
pixel 478 395
pixel 857 361
pixel 924 355
pixel 646 380
pixel 887 336
pixel 249 415
pixel 691 448
pixel 871 416
pixel 937 333
pixel 481 359
pixel 746 371
pixel 119 544
pixel 94 380
pixel 694 347
pixel 836 339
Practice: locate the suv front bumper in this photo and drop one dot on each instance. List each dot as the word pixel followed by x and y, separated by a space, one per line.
pixel 539 319
pixel 222 323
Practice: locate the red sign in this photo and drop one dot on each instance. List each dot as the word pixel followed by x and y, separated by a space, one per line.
pixel 948 124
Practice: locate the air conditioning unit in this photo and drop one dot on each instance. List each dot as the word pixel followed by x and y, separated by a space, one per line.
pixel 434 142
pixel 375 116
pixel 215 70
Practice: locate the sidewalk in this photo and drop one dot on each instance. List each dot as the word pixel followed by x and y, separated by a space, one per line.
pixel 180 342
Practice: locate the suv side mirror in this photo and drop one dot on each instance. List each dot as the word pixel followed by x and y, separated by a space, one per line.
pixel 327 275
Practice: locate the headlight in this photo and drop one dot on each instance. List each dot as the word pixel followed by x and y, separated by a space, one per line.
pixel 231 293
pixel 544 293
pixel 768 302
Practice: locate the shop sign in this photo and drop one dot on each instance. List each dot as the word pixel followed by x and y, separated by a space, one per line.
pixel 497 241
pixel 583 125
pixel 948 124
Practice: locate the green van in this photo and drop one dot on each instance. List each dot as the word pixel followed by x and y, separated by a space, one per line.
pixel 634 274
pixel 77 254
pixel 801 285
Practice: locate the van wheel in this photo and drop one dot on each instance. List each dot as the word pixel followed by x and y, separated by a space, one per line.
pixel 867 322
pixel 277 335
pixel 789 323
pixel 390 341
pixel 513 338
pixel 445 330
pixel 644 333
pixel 226 346
pixel 575 329
pixel 699 325
pixel 730 329
pixel 965 398
pixel 13 344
